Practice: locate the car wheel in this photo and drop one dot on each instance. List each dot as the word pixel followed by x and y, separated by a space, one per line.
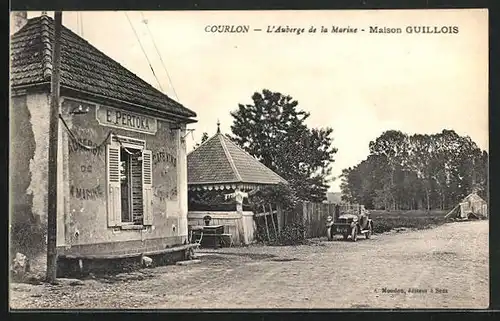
pixel 369 233
pixel 345 235
pixel 354 234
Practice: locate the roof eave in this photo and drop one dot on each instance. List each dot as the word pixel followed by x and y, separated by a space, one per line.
pixel 34 85
pixel 121 103
pixel 77 93
pixel 215 183
pixel 91 94
pixel 229 183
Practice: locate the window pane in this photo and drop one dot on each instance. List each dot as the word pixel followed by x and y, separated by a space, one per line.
pixel 125 185
pixel 131 185
pixel 136 178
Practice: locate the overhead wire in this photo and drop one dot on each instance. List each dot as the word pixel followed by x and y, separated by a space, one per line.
pixel 78 23
pixel 81 22
pixel 77 141
pixel 158 52
pixel 144 51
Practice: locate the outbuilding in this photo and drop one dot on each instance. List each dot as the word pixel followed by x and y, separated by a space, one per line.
pixel 219 165
pixel 471 207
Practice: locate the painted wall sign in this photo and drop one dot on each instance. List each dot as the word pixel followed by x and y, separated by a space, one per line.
pixel 74 147
pixel 164 157
pixel 112 117
pixel 86 193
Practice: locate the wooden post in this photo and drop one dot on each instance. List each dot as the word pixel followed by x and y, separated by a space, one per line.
pixel 304 219
pixel 319 219
pixel 272 219
pixel 53 145
pixel 451 211
pixel 265 219
pixel 279 216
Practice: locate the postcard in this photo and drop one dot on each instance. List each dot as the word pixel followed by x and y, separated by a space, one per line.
pixel 333 159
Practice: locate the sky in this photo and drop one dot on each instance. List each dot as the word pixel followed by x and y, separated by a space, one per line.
pixel 360 84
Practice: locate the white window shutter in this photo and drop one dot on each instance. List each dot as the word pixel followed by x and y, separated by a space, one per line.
pixel 147 187
pixel 113 179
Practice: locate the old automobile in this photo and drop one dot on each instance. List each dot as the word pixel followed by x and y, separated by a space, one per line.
pixel 348 224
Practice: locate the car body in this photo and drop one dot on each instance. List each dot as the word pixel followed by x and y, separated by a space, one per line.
pixel 348 224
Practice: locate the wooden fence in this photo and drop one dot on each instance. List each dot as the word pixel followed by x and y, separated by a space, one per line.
pixel 313 215
pixel 272 218
pixel 269 221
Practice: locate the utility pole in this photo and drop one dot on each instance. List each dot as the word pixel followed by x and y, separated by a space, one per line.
pixel 53 146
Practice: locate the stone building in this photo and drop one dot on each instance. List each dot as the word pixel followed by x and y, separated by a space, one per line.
pixel 122 168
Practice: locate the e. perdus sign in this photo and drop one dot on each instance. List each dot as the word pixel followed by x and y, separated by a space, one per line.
pixel 112 117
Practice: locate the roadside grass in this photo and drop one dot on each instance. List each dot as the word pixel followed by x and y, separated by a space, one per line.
pixel 385 221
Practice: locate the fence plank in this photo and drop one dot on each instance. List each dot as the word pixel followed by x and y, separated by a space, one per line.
pixel 279 217
pixel 265 220
pixel 304 213
pixel 272 219
pixel 313 215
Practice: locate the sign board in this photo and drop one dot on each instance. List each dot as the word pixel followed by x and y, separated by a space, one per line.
pixel 112 117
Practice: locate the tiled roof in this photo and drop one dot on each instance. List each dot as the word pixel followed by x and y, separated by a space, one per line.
pixel 219 160
pixel 83 68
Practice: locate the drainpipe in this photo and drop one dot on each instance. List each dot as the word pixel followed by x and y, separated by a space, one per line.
pixel 17 20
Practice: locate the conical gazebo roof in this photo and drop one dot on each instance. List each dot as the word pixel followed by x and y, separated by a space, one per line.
pixel 221 164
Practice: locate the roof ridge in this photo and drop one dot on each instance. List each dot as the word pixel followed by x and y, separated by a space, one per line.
pixel 228 156
pixel 256 160
pixel 46 48
pixel 48 19
pixel 43 26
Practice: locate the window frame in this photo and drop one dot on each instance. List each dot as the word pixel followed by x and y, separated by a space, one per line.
pixel 130 187
pixel 119 142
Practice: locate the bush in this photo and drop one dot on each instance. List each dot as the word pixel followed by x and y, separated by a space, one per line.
pixel 384 221
pixel 385 224
pixel 27 238
pixel 292 234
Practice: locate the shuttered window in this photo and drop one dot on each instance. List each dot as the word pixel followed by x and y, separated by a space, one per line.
pixel 147 187
pixel 129 175
pixel 114 190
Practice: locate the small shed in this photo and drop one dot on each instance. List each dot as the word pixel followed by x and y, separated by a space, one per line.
pixel 471 206
pixel 221 165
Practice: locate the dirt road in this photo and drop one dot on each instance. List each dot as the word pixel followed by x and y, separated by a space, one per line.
pixel 446 266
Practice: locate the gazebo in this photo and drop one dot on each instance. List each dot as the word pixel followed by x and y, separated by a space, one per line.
pixel 220 165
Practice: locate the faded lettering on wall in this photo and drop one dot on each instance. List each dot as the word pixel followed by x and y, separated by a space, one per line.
pixel 86 193
pixel 164 157
pixel 86 168
pixel 96 150
pixel 165 166
pixel 83 137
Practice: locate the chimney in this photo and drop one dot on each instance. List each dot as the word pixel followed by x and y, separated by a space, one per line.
pixel 17 21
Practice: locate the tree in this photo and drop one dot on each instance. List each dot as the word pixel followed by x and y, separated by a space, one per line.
pixel 273 130
pixel 204 138
pixel 393 145
pixel 417 172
